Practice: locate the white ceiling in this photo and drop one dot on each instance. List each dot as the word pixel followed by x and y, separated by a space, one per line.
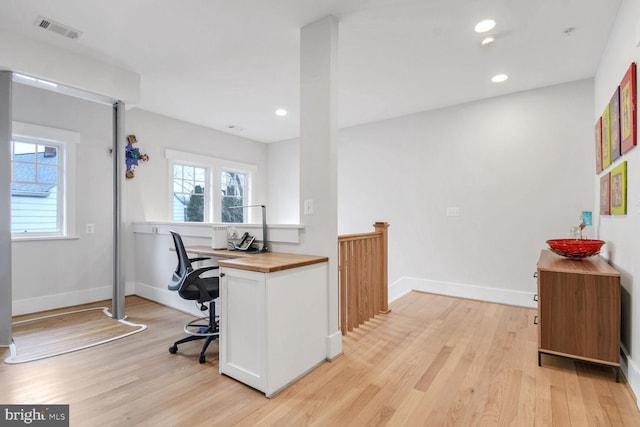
pixel 233 62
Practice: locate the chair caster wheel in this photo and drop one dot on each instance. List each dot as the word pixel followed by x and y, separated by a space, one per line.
pixel 202 359
pixel 173 349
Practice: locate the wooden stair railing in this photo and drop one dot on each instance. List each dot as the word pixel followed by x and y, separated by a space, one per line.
pixel 362 276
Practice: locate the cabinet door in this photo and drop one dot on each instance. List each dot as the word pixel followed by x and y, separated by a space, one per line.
pixel 580 315
pixel 242 326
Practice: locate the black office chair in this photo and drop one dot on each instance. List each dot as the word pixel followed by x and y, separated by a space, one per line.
pixel 204 290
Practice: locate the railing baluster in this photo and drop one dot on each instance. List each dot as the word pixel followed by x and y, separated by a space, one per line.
pixel 363 276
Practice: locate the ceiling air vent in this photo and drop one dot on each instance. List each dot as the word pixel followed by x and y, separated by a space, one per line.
pixel 58 28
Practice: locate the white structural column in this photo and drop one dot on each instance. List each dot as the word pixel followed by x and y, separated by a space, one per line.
pixel 318 156
pixel 5 207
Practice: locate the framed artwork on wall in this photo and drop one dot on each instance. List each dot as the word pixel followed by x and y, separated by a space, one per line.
pixel 605 194
pixel 628 109
pixel 598 134
pixel 606 139
pixel 619 189
pixel 614 125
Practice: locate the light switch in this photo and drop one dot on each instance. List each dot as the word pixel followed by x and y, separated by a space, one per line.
pixel 453 211
pixel 308 207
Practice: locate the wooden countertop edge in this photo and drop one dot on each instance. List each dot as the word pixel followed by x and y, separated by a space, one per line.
pixel 594 265
pixel 261 262
pixel 245 264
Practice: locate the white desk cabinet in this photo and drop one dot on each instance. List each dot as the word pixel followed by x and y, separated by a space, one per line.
pixel 273 322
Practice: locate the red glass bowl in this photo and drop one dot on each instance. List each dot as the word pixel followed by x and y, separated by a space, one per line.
pixel 575 248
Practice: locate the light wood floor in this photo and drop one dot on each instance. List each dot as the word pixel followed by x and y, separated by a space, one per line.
pixel 432 361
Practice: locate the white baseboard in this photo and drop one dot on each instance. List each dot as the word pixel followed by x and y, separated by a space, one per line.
pixel 632 372
pixel 405 285
pixel 65 299
pixel 334 345
pixel 168 298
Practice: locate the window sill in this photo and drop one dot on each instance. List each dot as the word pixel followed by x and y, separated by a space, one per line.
pixel 278 233
pixel 40 238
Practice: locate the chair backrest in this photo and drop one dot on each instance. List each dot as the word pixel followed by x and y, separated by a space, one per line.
pixel 184 265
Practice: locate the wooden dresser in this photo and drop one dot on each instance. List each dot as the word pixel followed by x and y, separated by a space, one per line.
pixel 579 309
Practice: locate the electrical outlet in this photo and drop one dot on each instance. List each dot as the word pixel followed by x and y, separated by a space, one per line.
pixel 91 228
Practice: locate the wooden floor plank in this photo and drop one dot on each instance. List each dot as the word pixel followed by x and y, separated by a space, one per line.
pixel 433 360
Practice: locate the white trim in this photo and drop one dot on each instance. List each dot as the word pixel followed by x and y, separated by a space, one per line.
pixel 631 371
pixel 68 140
pixel 45 133
pixel 168 298
pixel 278 233
pixel 65 299
pixel 215 166
pixel 483 293
pixel 200 159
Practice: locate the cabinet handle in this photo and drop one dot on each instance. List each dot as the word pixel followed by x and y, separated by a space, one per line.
pixel 535 319
pixel 535 275
pixel 535 297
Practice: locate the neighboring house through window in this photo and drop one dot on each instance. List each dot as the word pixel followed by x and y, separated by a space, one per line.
pixel 41 195
pixel 194 180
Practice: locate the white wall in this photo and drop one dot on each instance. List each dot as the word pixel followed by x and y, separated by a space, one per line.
pixel 518 167
pixel 622 233
pixel 58 273
pixel 283 181
pixel 148 193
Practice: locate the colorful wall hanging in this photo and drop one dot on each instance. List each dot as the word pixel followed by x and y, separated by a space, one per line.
pixel 605 194
pixel 614 125
pixel 133 156
pixel 606 139
pixel 628 109
pixel 598 132
pixel 619 189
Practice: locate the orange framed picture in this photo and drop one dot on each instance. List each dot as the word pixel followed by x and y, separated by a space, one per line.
pixel 628 110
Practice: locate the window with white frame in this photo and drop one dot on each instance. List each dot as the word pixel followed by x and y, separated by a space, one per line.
pixel 205 189
pixel 41 202
pixel 189 195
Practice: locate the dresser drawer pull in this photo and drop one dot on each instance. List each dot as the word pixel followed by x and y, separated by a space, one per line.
pixel 535 319
pixel 535 297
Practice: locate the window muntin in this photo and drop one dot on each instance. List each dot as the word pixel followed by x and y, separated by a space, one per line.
pixel 37 187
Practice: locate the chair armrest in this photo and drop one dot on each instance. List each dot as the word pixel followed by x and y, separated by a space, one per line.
pixel 191 280
pixel 199 271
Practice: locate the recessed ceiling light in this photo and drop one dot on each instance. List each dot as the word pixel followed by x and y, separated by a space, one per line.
pixel 498 78
pixel 484 26
pixel 281 112
pixel 488 40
